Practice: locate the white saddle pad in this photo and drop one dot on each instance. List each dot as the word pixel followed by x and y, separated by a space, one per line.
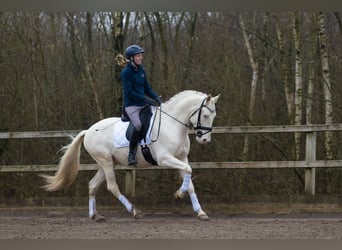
pixel 120 128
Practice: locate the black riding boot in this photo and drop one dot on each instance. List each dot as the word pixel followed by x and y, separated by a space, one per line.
pixel 133 144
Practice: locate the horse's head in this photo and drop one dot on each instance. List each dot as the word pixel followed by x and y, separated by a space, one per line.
pixel 202 119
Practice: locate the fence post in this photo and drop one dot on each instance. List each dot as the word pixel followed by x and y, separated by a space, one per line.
pixel 130 183
pixel 310 155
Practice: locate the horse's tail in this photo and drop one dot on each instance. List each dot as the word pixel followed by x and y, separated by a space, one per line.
pixel 67 167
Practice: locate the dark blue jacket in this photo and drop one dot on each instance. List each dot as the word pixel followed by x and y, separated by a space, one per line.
pixel 135 86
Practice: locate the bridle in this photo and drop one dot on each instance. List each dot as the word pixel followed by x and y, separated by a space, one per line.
pixel 198 128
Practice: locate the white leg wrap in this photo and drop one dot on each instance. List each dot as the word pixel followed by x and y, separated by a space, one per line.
pixel 185 184
pixel 126 203
pixel 92 207
pixel 195 204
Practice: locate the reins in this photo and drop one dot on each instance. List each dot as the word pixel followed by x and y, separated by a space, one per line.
pixel 174 118
pixel 159 124
pixel 189 126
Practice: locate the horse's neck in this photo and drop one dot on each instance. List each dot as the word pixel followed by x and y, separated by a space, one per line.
pixel 182 108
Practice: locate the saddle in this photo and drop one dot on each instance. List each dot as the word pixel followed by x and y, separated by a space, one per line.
pixel 145 118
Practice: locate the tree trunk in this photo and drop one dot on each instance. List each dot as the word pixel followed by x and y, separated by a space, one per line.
pixel 326 82
pixel 163 43
pixel 289 95
pixel 298 81
pixel 153 43
pixel 89 23
pixel 311 73
pixel 141 29
pixel 117 38
pixel 190 45
pixel 86 72
pixel 339 21
pixel 266 58
pixel 255 68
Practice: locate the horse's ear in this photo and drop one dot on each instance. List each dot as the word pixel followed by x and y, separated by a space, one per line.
pixel 208 98
pixel 216 98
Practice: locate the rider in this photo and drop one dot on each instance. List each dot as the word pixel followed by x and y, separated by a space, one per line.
pixel 136 90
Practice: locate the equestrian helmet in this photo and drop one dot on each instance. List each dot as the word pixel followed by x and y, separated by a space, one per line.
pixel 132 50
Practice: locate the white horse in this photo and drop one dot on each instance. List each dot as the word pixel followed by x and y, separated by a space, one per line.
pixel 186 110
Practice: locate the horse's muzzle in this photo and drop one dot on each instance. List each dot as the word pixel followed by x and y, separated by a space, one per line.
pixel 203 139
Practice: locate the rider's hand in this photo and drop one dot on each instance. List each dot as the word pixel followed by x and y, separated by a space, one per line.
pixel 158 101
pixel 149 102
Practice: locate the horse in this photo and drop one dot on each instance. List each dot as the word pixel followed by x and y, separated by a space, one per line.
pixel 185 111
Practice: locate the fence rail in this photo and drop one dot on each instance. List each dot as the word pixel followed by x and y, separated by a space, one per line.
pixel 216 130
pixel 309 164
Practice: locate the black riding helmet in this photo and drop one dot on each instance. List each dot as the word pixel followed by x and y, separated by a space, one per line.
pixel 132 50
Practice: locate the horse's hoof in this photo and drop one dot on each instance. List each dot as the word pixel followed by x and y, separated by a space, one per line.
pixel 137 214
pixel 203 217
pixel 97 218
pixel 100 218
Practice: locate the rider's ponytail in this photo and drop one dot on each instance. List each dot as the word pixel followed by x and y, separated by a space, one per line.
pixel 121 60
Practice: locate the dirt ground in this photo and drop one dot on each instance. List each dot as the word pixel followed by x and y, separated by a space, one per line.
pixel 76 225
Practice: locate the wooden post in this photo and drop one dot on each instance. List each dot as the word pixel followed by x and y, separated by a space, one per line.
pixel 310 155
pixel 130 183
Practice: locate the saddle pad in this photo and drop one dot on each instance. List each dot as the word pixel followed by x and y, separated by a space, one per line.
pixel 120 128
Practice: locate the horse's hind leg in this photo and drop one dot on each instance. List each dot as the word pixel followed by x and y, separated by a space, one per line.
pixel 193 197
pixel 94 185
pixel 108 169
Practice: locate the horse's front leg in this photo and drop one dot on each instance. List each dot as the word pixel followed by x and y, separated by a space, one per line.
pixel 184 169
pixel 187 185
pixel 201 215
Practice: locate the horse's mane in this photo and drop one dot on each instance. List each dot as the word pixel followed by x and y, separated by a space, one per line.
pixel 185 93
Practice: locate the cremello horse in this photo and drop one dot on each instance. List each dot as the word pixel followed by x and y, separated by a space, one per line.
pixel 186 110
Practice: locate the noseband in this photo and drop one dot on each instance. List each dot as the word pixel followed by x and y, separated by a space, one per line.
pixel 198 126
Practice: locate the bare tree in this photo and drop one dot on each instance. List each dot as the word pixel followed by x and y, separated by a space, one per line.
pixel 190 45
pixel 265 63
pixel 326 82
pixel 298 81
pixel 152 41
pixel 339 20
pixel 86 72
pixel 311 83
pixel 117 38
pixel 255 68
pixel 163 44
pixel 289 94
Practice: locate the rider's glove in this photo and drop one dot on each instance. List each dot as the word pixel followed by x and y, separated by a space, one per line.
pixel 149 102
pixel 158 101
